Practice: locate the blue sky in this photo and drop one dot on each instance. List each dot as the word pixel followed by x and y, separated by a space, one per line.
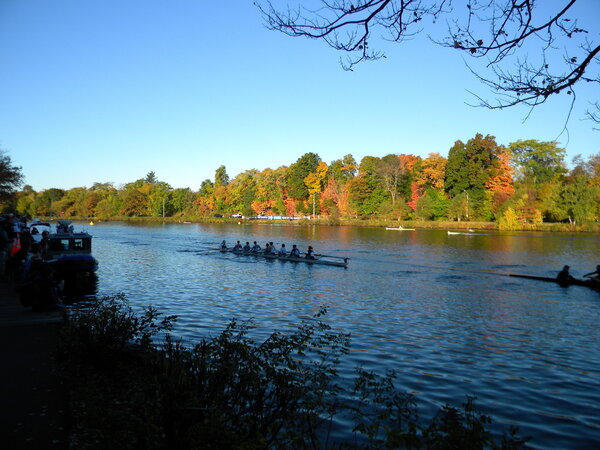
pixel 109 91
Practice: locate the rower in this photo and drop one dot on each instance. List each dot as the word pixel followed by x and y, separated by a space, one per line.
pixel 237 247
pixel 564 276
pixel 594 276
pixel 270 249
pixel 223 244
pixel 246 247
pixel 255 248
pixel 295 253
pixel 282 250
pixel 310 254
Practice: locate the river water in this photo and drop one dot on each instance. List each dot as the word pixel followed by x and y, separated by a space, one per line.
pixel 437 308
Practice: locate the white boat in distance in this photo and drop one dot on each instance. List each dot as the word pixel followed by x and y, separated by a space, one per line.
pixel 467 233
pixel 400 228
pixel 343 263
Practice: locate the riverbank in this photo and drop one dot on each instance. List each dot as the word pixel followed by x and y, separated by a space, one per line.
pixel 34 400
pixel 357 222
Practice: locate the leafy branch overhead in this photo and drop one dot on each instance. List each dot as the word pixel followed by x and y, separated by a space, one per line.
pixel 531 50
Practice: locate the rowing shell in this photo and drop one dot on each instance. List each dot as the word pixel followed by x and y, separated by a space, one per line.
pixel 400 229
pixel 572 282
pixel 288 258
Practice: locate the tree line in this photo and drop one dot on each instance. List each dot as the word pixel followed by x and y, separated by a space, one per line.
pixel 526 182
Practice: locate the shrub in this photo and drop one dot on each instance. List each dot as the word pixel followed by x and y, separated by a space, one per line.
pixel 232 391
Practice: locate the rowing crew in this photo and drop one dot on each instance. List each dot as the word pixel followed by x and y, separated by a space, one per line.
pixel 270 250
pixel 564 276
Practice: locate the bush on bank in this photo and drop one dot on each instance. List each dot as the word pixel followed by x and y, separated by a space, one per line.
pixel 234 392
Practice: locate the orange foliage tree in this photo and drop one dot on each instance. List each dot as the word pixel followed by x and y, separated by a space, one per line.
pixel 501 178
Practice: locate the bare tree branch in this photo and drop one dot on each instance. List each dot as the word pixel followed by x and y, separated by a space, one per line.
pixel 505 33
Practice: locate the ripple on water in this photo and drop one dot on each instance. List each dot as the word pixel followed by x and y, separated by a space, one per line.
pixel 439 311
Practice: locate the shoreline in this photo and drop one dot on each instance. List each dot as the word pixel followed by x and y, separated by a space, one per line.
pixel 549 227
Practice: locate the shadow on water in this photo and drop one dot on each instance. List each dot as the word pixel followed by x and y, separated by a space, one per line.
pixel 77 287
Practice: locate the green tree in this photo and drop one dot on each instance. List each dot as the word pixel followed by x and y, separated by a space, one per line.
pixel 151 178
pixel 580 200
pixel 221 177
pixel 470 165
pixel 343 169
pixel 11 177
pixel 159 199
pixel 182 200
pixel 365 191
pixel 243 192
pixel 43 205
pixel 538 162
pixel 549 200
pixel 297 172
pixel 206 188
pixel 433 205
pixel 25 200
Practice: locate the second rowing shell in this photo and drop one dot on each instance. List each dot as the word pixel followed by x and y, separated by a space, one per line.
pixel 288 258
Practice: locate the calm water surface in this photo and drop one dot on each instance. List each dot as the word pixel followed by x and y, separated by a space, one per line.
pixel 437 308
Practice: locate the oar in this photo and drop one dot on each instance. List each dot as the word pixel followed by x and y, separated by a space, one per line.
pixel 330 256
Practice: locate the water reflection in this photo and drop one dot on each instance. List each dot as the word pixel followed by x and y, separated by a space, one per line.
pixel 437 308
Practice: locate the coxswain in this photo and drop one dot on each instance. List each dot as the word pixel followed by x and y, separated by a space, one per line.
pixel 295 253
pixel 255 248
pixel 282 250
pixel 564 276
pixel 310 254
pixel 237 247
pixel 246 247
pixel 223 245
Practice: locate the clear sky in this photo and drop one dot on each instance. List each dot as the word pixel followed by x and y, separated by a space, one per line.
pixel 107 91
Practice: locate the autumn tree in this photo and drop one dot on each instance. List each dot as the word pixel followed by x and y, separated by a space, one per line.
pixel 315 182
pixel 44 203
pixel 73 203
pixel 25 199
pixel 270 192
pixel 432 171
pixel 134 199
pixel 529 53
